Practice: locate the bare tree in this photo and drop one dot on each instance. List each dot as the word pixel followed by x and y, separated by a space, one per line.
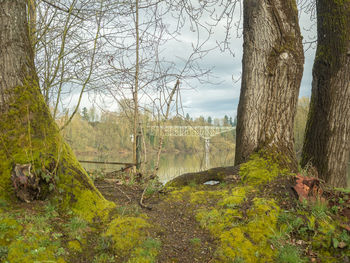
pixel 137 66
pixel 67 49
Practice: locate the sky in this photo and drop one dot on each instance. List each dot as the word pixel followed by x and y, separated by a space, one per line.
pixel 221 97
pixel 220 100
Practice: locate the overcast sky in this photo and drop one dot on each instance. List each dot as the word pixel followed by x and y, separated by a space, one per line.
pixel 217 100
pixel 220 100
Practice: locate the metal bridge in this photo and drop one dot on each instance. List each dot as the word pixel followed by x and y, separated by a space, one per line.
pixel 205 132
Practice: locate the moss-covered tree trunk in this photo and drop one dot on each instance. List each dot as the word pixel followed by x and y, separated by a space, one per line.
pixel 272 69
pixel 327 139
pixel 28 133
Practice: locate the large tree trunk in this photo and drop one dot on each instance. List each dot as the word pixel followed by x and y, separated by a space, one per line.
pixel 327 138
pixel 28 133
pixel 272 69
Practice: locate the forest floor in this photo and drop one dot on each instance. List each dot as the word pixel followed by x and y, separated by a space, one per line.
pixel 191 222
pixel 235 222
pixel 182 238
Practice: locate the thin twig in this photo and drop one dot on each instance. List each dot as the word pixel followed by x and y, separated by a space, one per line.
pixel 61 9
pixel 120 190
pixel 141 200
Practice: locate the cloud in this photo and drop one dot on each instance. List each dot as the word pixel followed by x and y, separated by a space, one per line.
pixel 217 100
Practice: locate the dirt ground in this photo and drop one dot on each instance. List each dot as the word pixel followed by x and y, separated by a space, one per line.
pixel 183 241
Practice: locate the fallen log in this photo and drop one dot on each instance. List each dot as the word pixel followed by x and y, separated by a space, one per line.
pixel 221 174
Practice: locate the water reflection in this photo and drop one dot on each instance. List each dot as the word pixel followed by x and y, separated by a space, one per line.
pixel 171 164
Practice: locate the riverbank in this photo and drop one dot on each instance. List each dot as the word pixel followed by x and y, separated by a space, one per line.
pixel 250 218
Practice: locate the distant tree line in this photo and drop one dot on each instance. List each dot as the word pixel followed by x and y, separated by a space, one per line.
pixel 111 132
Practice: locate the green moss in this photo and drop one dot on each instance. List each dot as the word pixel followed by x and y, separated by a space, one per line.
pixel 146 253
pixel 9 230
pixel 322 240
pixel 28 134
pixel 216 220
pixel 178 194
pixel 201 197
pixel 260 170
pixel 250 241
pixel 32 250
pixel 75 246
pixel 127 233
pixel 242 236
pixel 28 239
pixel 237 196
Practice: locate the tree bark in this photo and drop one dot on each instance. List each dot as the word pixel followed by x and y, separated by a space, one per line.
pixel 272 70
pixel 327 139
pixel 28 133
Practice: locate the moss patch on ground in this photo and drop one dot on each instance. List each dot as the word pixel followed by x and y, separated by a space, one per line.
pixel 28 237
pixel 240 222
pixel 242 235
pixel 251 224
pixel 37 232
pixel 127 234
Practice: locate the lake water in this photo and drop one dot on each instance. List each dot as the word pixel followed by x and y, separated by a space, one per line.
pixel 171 164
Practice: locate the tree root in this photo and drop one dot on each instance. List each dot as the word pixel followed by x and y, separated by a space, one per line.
pixel 141 200
pixel 221 174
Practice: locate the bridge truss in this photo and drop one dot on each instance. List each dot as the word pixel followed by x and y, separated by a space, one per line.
pixel 205 132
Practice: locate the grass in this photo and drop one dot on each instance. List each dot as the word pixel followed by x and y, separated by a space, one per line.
pixel 76 228
pixel 195 241
pixel 319 210
pixel 3 253
pixel 3 203
pixel 147 252
pixel 289 254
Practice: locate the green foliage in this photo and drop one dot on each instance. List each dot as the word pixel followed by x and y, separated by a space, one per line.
pixel 76 228
pixel 319 210
pixel 3 253
pixel 289 254
pixel 312 224
pixel 152 187
pixel 111 134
